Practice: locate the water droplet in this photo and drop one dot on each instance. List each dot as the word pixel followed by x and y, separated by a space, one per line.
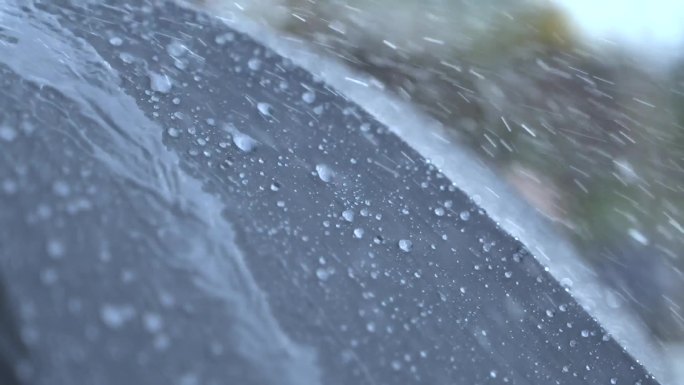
pixel 61 188
pixel 566 282
pixel 264 108
pixel 10 187
pixel 152 322
pixel 508 274
pixel 464 215
pixel 405 245
pixel 370 327
pixel 396 365
pixel 358 233
pixel 517 257
pixel 161 342
pixel 348 215
pixel 115 316
pixel 254 64
pixel 115 41
pixel 173 132
pixel 325 173
pixel 492 374
pixel 48 276
pixel 275 186
pixel 585 333
pixel 160 82
pixel 126 57
pixel 440 212
pixel 243 141
pixel 55 249
pixel 175 49
pixel 309 97
pixel 224 38
pixel 7 133
pixel 323 273
pixel 613 381
pixel 78 205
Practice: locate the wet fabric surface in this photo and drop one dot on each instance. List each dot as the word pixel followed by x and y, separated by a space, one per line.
pixel 182 205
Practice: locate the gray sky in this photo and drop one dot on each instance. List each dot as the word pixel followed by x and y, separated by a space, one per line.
pixel 654 25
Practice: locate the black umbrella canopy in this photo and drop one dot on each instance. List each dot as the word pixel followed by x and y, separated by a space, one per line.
pixel 182 205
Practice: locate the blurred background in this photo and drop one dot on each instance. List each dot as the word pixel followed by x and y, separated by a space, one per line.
pixel 578 104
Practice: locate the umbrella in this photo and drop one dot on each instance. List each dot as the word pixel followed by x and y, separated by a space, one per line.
pixel 181 204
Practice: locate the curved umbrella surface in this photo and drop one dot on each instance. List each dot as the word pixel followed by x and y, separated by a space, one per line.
pixel 182 205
